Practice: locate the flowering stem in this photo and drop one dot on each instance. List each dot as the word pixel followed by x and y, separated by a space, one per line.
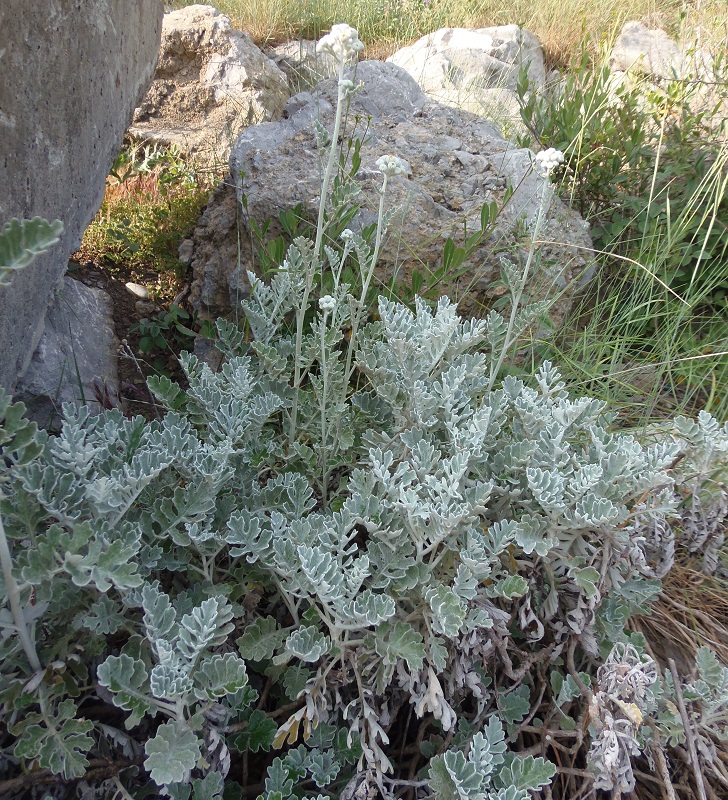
pixel 507 343
pixel 11 587
pixel 301 311
pixel 322 404
pixel 356 318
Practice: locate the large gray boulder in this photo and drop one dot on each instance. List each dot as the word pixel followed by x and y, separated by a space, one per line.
pixel 75 361
pixel 458 162
pixel 211 81
pixel 72 76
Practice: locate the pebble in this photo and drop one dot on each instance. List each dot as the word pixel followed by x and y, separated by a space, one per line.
pixel 144 308
pixel 137 290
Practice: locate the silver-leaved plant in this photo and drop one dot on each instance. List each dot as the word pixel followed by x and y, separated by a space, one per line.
pixel 356 540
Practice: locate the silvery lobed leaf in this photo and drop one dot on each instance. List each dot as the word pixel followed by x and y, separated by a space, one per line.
pixel 393 641
pixel 531 773
pixel 127 679
pixel 261 639
pixel 514 705
pixel 208 625
pixel 219 675
pixel 308 643
pixel 447 609
pixel 58 742
pixel 22 241
pixel 172 754
pixel 453 777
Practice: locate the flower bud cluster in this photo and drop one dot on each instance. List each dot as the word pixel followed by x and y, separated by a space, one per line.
pixel 342 42
pixel 548 160
pixel 327 303
pixel 392 165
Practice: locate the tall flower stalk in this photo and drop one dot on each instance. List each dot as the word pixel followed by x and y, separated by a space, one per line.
pixel 344 44
pixel 545 163
pixel 389 166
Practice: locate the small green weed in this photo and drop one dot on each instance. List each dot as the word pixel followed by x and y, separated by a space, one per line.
pixel 153 200
pixel 167 333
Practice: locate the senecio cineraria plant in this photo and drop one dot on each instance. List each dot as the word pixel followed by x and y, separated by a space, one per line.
pixel 355 560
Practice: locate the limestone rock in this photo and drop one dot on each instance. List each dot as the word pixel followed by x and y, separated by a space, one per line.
pixel 458 162
pixel 211 81
pixel 475 70
pixel 303 66
pixel 74 73
pixel 647 51
pixel 75 360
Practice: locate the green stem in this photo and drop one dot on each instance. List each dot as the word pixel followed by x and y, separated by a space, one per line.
pixel 11 587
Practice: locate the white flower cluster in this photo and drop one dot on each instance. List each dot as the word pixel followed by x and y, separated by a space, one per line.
pixel 391 165
pixel 548 160
pixel 327 303
pixel 342 42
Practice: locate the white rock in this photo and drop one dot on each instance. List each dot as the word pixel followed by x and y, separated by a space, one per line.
pixel 452 64
pixel 75 361
pixel 647 51
pixel 211 82
pixel 137 290
pixel 303 66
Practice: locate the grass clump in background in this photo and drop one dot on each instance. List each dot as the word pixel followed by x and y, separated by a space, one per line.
pixel 386 25
pixel 647 166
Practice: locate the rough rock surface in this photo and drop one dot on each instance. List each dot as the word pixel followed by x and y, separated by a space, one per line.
pixel 211 81
pixel 458 162
pixel 475 70
pixel 303 66
pixel 647 51
pixel 74 73
pixel 75 360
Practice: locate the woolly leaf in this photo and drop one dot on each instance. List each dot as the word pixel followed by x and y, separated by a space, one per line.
pixel 261 639
pixel 208 788
pixel 509 587
pixel 219 675
pixel 258 735
pixel 295 679
pixel 159 616
pixel 514 705
pixel 447 609
pixel 308 643
pixel 171 680
pixel 529 773
pixel 58 742
pixel 453 777
pixel 278 779
pixel 393 641
pixel 126 678
pixel 323 767
pixel 20 440
pixel 172 754
pixel 487 748
pixel 587 579
pixel 369 608
pixel 710 669
pixel 208 625
pixel 22 241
